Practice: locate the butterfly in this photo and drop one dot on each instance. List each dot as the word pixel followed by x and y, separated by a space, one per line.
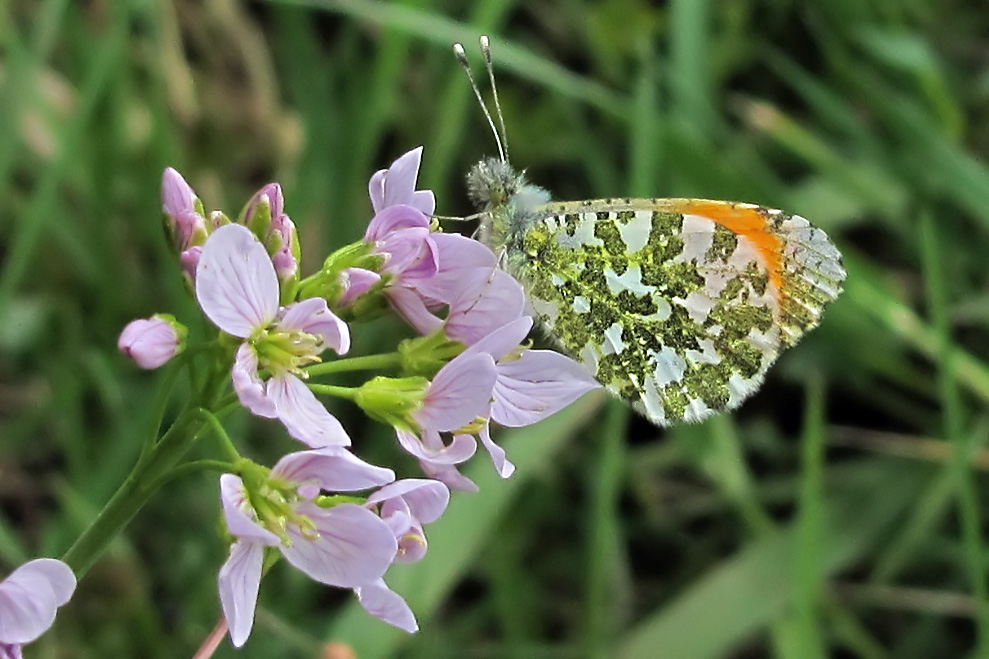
pixel 677 306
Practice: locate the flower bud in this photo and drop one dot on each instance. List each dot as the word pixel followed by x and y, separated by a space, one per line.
pixel 153 341
pixel 184 212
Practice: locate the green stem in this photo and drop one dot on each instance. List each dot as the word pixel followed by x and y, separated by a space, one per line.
pixel 350 393
pixel 136 490
pixel 365 363
pixel 220 433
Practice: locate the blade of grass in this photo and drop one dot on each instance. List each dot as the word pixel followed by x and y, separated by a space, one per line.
pixel 952 410
pixel 736 599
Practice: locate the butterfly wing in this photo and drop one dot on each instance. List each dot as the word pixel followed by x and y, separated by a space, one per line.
pixel 678 306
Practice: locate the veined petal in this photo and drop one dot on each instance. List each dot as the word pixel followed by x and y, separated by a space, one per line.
pixel 426 499
pixel 303 416
pixel 400 183
pixel 538 384
pixel 411 307
pixel 236 284
pixel 250 389
pixel 238 512
pixel 239 581
pixel 333 468
pixel 29 597
pixel 394 218
pixel 353 546
pixel 461 449
pixel 487 300
pixel 382 602
pixel 313 316
pixel 450 475
pixel 504 339
pixel 502 465
pixel 459 393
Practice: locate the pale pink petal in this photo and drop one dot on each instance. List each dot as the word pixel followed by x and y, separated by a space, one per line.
pixel 538 384
pixel 357 282
pixel 504 339
pixel 424 200
pixel 239 581
pixel 332 468
pixel 384 603
pixel 498 457
pixel 29 597
pixel 408 249
pixel 459 393
pixel 426 499
pixel 411 307
pixel 303 415
pixel 461 448
pixel 313 316
pixel 353 547
pixel 189 261
pixel 376 190
pixel 236 283
pixel 487 300
pixel 392 219
pixel 177 196
pixel 450 475
pixel 250 389
pixel 240 517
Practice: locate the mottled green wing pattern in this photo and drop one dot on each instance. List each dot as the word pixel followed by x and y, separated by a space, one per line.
pixel 678 306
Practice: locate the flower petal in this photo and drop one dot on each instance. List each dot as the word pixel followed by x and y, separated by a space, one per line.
pixel 250 389
pixel 177 196
pixel 150 342
pixel 426 499
pixel 313 316
pixel 333 468
pixel 382 602
pixel 238 513
pixel 502 465
pixel 485 300
pixel 411 307
pixel 236 283
pixel 303 416
pixel 394 218
pixel 239 581
pixel 459 393
pixel 357 282
pixel 29 597
pixel 353 547
pixel 449 475
pixel 504 339
pixel 461 449
pixel 536 385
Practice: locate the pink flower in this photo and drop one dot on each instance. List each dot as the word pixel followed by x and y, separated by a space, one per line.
pixel 29 597
pixel 397 185
pixel 151 342
pixel 530 385
pixel 238 290
pixel 458 395
pixel 345 545
pixel 405 506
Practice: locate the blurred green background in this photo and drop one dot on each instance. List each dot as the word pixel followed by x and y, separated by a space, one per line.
pixel 838 513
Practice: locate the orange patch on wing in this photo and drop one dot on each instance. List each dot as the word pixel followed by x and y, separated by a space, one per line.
pixel 749 222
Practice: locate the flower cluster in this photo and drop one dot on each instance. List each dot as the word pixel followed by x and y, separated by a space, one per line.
pixel 336 518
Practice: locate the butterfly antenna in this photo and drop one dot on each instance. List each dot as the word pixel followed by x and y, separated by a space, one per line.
pixel 458 50
pixel 486 49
